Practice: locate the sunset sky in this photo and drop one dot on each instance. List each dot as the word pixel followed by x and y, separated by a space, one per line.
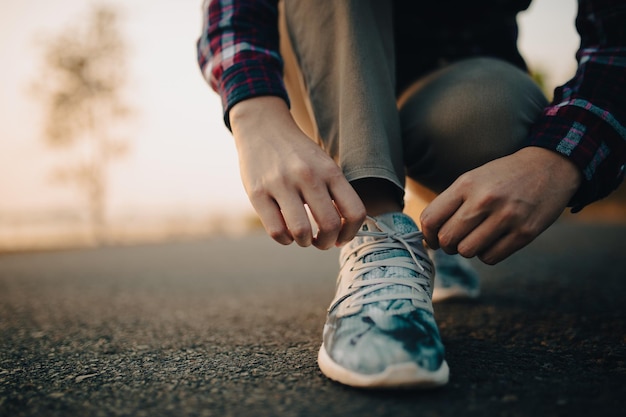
pixel 182 157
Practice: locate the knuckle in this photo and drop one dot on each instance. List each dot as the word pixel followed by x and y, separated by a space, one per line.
pixel 488 259
pixel 334 173
pixel 303 171
pixel 300 233
pixel 330 225
pixel 466 251
pixel 279 235
pixel 323 245
pixel 256 191
pixel 445 240
pixel 356 214
pixel 488 199
pixel 427 227
pixel 464 181
pixel 424 220
pixel 509 214
pixel 526 233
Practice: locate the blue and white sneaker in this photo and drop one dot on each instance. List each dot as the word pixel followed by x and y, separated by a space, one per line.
pixel 380 331
pixel 455 277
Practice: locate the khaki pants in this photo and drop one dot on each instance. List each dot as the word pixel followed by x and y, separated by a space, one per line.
pixel 340 75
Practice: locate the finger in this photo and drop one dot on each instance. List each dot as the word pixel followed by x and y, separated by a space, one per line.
pixel 326 216
pixel 437 213
pixel 296 219
pixel 509 244
pixel 272 219
pixel 463 222
pixel 351 210
pixel 483 237
pixel 503 248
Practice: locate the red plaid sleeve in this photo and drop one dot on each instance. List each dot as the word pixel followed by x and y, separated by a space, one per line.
pixel 238 50
pixel 586 121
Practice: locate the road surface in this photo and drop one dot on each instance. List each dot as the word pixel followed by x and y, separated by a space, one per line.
pixel 231 327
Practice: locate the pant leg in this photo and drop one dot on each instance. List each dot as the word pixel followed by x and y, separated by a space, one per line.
pixel 464 116
pixel 449 122
pixel 345 51
pixel 300 108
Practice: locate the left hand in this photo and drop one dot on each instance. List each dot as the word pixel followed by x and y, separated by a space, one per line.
pixel 500 207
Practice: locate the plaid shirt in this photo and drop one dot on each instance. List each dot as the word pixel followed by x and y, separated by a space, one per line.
pixel 586 121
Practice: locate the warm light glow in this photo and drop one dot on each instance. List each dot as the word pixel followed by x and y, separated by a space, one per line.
pixel 182 159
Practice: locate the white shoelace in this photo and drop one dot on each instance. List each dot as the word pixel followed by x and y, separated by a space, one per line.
pixel 417 261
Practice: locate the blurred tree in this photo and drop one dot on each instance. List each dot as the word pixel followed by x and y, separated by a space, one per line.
pixel 84 74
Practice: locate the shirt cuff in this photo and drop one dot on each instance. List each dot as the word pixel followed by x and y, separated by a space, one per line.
pixel 247 79
pixel 589 137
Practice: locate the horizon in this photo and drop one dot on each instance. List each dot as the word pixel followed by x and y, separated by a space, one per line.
pixel 182 158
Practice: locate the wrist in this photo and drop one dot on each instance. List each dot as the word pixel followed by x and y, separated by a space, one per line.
pixel 556 165
pixel 263 121
pixel 255 110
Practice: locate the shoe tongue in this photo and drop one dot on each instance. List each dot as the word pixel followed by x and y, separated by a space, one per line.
pixel 390 223
pixel 394 222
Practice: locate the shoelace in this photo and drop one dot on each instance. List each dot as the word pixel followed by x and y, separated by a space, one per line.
pixel 418 262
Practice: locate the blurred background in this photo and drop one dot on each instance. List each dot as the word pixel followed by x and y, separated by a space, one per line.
pixel 109 134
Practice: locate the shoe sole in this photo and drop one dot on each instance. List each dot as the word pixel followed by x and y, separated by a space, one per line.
pixel 404 375
pixel 457 293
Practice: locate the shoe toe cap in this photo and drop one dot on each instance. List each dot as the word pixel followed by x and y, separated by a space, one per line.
pixel 372 351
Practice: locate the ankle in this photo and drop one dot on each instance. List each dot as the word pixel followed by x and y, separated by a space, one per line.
pixel 379 196
pixel 378 208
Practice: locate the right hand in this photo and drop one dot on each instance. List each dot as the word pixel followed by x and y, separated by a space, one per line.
pixel 282 169
pixel 498 208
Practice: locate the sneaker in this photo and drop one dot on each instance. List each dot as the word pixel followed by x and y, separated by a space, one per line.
pixel 455 278
pixel 380 331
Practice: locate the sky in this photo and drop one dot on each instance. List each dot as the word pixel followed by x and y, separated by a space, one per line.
pixel 182 158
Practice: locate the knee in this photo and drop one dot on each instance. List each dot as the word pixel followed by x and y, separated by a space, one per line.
pixel 465 115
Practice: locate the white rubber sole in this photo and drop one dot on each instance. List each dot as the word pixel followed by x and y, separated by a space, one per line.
pixel 405 375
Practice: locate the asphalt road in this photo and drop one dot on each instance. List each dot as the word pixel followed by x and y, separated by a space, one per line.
pixel 231 327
